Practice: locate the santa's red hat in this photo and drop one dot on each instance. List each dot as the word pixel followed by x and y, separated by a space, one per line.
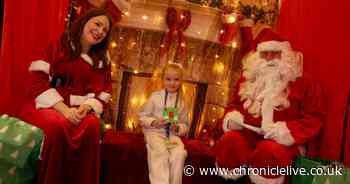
pixel 269 35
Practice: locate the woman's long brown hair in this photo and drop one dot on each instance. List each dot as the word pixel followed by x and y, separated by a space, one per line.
pixel 71 39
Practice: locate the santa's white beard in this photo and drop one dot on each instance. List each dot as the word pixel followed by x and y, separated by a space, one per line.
pixel 266 86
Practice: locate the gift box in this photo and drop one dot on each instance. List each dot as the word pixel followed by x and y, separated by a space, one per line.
pixel 326 172
pixel 20 145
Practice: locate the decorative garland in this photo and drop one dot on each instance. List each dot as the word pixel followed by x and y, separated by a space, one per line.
pixel 257 13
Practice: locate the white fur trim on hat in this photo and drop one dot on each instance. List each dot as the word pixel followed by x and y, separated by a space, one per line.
pixel 104 96
pixel 95 105
pixel 273 46
pixel 48 98
pixel 236 117
pixel 40 65
pixel 256 179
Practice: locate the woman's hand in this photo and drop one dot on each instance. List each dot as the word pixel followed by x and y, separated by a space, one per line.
pixel 83 110
pixel 72 115
pixel 68 113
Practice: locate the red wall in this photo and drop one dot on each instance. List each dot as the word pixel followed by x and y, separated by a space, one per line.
pixel 29 25
pixel 320 28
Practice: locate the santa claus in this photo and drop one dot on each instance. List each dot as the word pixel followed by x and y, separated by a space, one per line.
pixel 274 113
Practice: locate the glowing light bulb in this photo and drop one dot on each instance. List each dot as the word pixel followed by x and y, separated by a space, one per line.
pixel 113 44
pixel 234 44
pixel 133 101
pixel 108 126
pixel 231 19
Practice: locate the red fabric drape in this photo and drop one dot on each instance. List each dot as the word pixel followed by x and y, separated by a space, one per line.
pixel 320 29
pixel 28 27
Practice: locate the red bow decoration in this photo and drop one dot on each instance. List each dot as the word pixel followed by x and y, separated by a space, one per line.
pixel 229 28
pixel 177 24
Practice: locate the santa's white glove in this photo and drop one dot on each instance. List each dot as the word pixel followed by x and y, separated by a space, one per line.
pixel 233 121
pixel 280 133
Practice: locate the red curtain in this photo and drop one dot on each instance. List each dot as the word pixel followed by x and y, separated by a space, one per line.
pixel 29 25
pixel 321 30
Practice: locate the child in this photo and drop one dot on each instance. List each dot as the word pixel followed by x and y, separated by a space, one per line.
pixel 166 153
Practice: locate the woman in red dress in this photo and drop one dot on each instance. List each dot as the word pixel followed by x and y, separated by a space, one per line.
pixel 70 84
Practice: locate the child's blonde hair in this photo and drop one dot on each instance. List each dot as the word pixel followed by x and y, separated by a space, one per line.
pixel 175 66
pixel 179 69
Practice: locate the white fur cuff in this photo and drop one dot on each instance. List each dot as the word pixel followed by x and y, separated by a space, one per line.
pixel 236 117
pixel 76 100
pixel 48 98
pixel 39 65
pixel 95 105
pixel 104 96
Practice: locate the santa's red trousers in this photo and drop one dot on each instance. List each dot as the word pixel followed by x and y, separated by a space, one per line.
pixel 70 153
pixel 246 148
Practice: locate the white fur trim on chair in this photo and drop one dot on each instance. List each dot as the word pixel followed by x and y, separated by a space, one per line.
pixel 40 65
pixel 76 100
pixel 256 179
pixel 235 116
pixel 95 105
pixel 48 98
pixel 104 96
